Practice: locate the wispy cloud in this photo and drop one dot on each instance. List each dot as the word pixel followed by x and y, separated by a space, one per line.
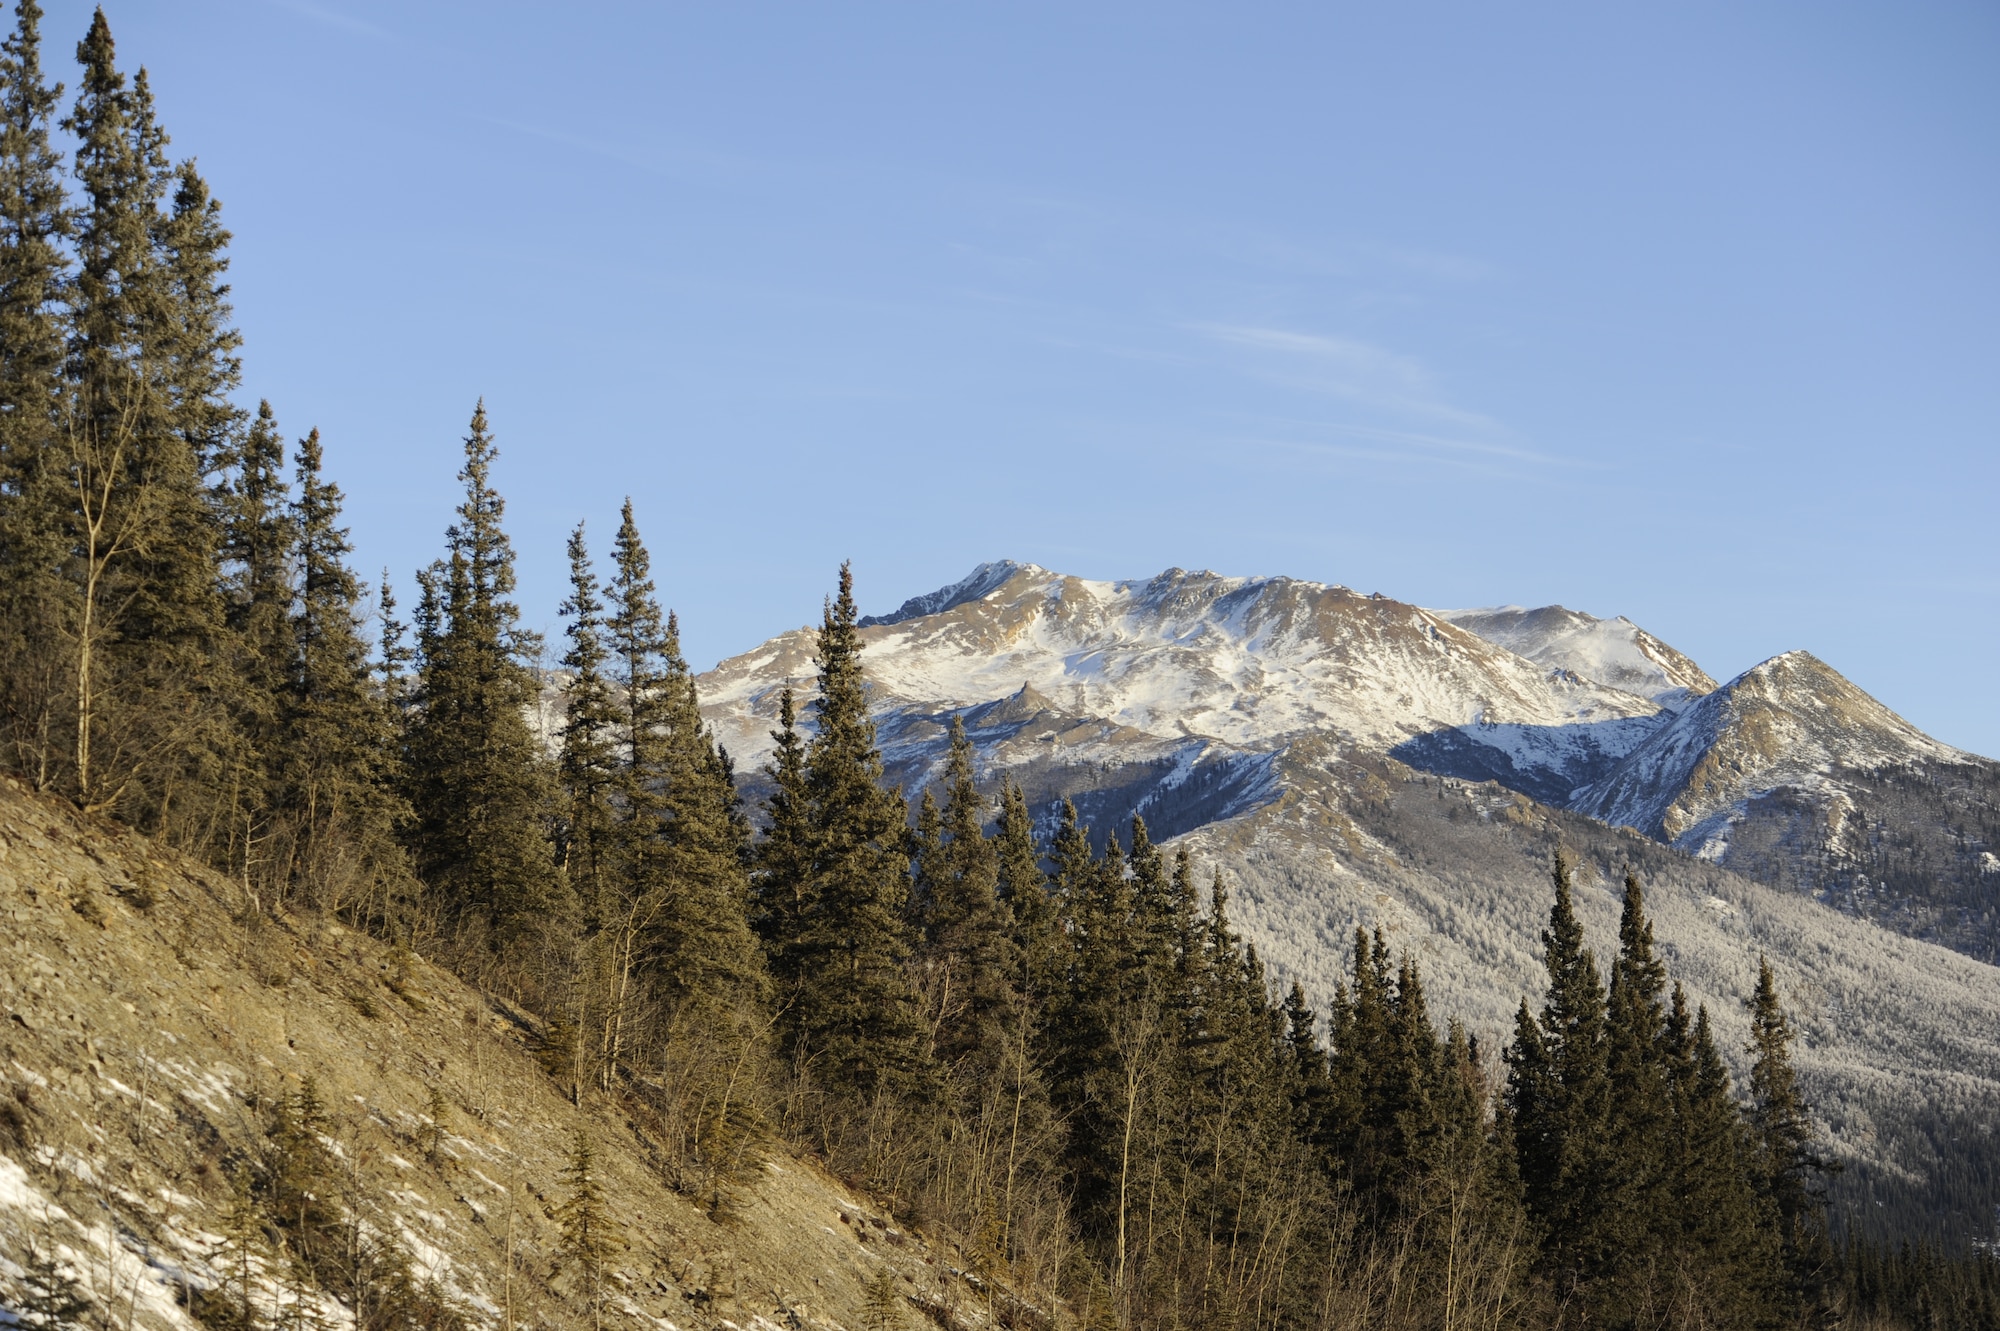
pixel 1347 368
pixel 1322 441
pixel 333 18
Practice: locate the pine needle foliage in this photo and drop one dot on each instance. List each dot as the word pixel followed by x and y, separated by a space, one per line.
pixel 477 784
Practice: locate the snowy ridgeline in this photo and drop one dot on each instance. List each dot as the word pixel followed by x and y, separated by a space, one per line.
pixel 1576 711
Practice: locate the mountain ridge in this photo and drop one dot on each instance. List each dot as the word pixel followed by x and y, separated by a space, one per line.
pixel 1198 676
pixel 1351 760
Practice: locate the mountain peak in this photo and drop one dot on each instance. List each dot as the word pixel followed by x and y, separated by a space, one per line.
pixel 1613 652
pixel 1791 722
pixel 982 581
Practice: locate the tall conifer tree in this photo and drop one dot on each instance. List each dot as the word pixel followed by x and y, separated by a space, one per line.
pixel 334 755
pixel 1559 1097
pixel 587 762
pixel 38 602
pixel 1634 1228
pixel 783 857
pixel 477 787
pixel 967 946
pixel 705 952
pixel 258 549
pixel 149 355
pixel 1789 1166
pixel 1023 886
pixel 853 1019
pixel 1723 1257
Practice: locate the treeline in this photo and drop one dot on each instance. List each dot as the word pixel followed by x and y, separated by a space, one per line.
pixel 1067 1059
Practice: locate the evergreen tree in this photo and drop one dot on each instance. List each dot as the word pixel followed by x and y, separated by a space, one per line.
pixel 1308 1082
pixel 783 856
pixel 197 346
pixel 1360 1027
pixel 51 1298
pixel 702 951
pixel 966 949
pixel 854 1016
pixel 1787 1162
pixel 1559 1097
pixel 259 540
pixel 149 355
pixel 335 749
pixel 38 602
pixel 1722 1255
pixel 476 785
pixel 590 1237
pixel 587 763
pixel 1633 1229
pixel 1023 886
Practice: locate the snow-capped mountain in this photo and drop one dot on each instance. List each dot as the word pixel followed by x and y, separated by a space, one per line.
pixel 1243 662
pixel 1349 759
pixel 1173 696
pixel 1792 722
pixel 1616 652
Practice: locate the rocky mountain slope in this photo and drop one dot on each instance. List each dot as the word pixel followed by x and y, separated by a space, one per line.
pixel 1173 695
pixel 1349 759
pixel 1611 651
pixel 152 1024
pixel 1191 671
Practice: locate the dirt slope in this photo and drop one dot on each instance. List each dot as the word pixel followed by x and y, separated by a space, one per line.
pixel 147 1034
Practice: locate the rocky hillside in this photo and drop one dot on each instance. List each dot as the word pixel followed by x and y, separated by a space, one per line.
pixel 154 1026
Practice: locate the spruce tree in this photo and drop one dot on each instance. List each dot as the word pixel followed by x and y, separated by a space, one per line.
pixel 257 549
pixel 782 860
pixel 1308 1083
pixel 335 751
pixel 853 1017
pixel 702 947
pixel 1788 1164
pixel 967 946
pixel 638 883
pixel 149 355
pixel 589 1235
pixel 1413 1076
pixel 1559 1096
pixel 1023 886
pixel 38 602
pixel 477 789
pixel 1722 1251
pixel 197 346
pixel 1633 1228
pixel 586 766
pixel 51 1298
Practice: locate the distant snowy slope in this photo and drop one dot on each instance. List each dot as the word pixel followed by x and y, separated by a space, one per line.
pixel 1616 652
pixel 979 583
pixel 1247 662
pixel 1793 722
pixel 1180 697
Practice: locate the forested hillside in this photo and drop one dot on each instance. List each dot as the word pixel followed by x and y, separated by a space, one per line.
pixel 1054 1058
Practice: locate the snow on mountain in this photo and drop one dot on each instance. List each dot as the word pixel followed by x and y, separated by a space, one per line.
pixel 1180 697
pixel 1244 662
pixel 1790 723
pixel 980 582
pixel 1614 652
pixel 1271 726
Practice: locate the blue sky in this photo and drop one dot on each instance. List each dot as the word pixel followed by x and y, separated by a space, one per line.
pixel 1682 312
